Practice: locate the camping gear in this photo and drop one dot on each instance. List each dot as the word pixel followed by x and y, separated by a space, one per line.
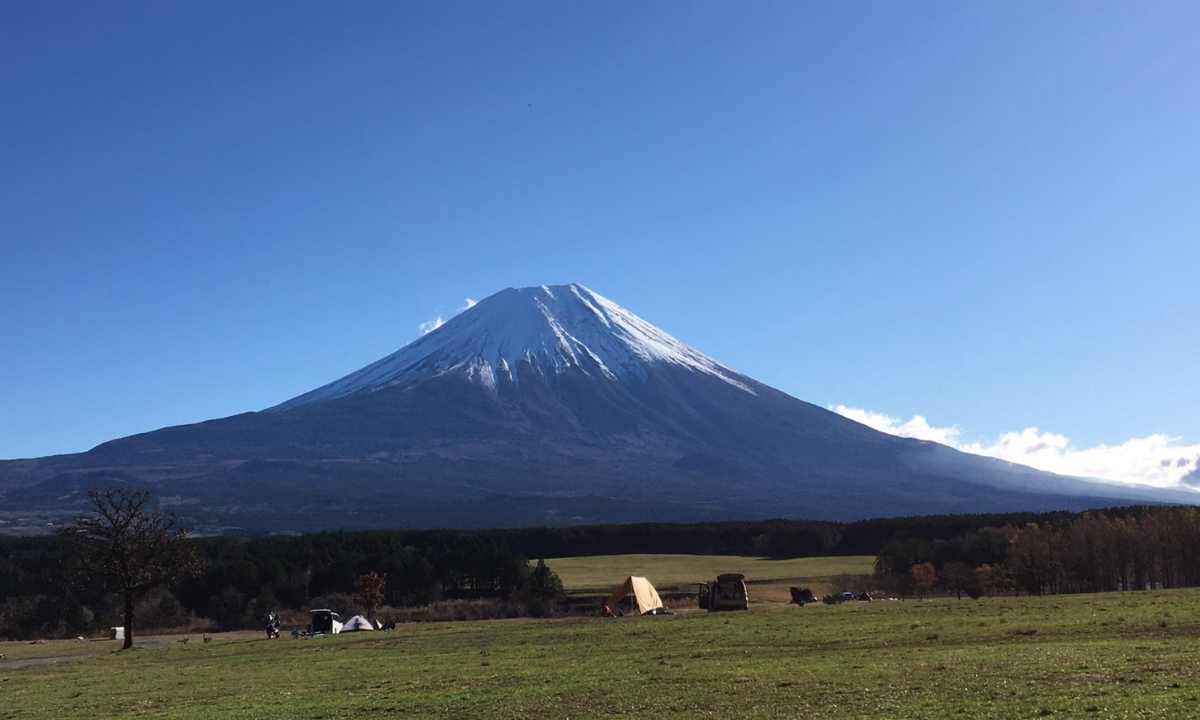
pixel 642 591
pixel 358 622
pixel 271 621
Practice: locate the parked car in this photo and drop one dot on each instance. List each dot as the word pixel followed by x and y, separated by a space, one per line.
pixel 727 592
pixel 325 621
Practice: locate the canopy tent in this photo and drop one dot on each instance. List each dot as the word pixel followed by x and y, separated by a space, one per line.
pixel 642 591
pixel 358 622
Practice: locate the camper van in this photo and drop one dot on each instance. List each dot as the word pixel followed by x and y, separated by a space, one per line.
pixel 325 621
pixel 727 592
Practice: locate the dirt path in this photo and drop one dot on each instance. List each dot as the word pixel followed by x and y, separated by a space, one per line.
pixel 26 662
pixel 70 654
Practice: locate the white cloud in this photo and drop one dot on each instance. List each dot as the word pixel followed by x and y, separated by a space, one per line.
pixel 1157 460
pixel 918 427
pixel 430 325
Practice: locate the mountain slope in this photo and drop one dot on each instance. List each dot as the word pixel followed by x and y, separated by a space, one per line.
pixel 550 330
pixel 544 405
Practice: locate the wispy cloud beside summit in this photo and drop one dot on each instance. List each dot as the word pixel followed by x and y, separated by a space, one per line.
pixel 430 325
pixel 1158 459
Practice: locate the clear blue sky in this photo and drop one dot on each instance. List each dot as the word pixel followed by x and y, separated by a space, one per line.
pixel 987 214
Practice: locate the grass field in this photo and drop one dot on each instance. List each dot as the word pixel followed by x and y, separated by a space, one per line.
pixel 768 579
pixel 1103 656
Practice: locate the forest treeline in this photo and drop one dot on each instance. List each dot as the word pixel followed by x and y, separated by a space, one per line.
pixel 244 577
pixel 1126 549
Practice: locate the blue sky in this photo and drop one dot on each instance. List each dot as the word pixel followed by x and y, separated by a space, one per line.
pixel 985 215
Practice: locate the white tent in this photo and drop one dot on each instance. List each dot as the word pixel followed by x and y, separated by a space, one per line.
pixel 641 590
pixel 358 622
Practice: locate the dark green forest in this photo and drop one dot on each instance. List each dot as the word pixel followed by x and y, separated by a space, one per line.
pixel 1034 553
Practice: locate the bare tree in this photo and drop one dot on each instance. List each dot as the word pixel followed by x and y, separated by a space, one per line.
pixel 129 545
pixel 959 578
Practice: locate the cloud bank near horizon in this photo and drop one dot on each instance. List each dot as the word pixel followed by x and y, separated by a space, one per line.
pixel 1158 460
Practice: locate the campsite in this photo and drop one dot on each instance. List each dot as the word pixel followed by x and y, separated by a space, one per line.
pixel 1109 655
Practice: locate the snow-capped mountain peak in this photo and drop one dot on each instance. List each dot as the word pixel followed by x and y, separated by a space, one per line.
pixel 552 328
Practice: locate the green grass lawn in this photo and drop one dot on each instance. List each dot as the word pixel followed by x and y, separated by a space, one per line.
pixel 1083 656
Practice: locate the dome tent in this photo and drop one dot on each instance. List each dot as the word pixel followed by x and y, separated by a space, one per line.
pixel 358 622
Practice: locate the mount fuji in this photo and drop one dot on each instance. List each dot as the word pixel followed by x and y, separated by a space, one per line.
pixel 539 406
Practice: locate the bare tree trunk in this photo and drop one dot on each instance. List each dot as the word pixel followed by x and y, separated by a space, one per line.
pixel 128 619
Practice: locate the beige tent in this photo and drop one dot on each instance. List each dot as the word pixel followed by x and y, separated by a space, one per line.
pixel 643 592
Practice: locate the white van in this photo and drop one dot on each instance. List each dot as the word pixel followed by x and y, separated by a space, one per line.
pixel 325 621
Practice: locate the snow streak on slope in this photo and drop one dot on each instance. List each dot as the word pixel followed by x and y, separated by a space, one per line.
pixel 551 328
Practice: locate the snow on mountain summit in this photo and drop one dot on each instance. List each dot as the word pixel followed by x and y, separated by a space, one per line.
pixel 553 328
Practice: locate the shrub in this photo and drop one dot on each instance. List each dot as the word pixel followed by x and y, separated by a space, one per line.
pixel 541 592
pixel 801 596
pixel 161 611
pixel 43 616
